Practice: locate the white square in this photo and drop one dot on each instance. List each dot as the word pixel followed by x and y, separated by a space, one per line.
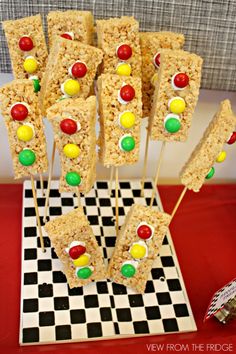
pixel 186 324
pixel 138 313
pixel 47 334
pixel 108 329
pixel 60 289
pixel 177 297
pixel 121 301
pixel 93 315
pixel 62 317
pixel 79 331
pixel 30 319
pixel 46 304
pixel 30 291
pixel 45 277
pixel 150 299
pixel 156 326
pixel 167 311
pixel 76 302
pixel 126 328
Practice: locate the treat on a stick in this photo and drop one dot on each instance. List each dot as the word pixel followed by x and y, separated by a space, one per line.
pixel 151 43
pixel 73 123
pixel 27 47
pixel 119 40
pixel 138 245
pixel 72 25
pixel 77 248
pixel 70 71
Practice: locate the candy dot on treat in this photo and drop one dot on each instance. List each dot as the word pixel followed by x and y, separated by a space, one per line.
pixel 156 60
pixel 68 126
pixel 71 150
pixel 137 251
pixel 127 143
pixel 181 80
pixel 154 79
pixel 127 120
pixel 123 69
pixel 19 111
pixel 30 65
pixel 177 105
pixel 124 52
pixel 127 93
pixel 232 139
pixel 73 179
pixel 144 232
pixel 25 133
pixel 82 261
pixel 210 173
pixel 36 84
pixel 78 69
pixel 27 157
pixel 172 124
pixel 128 270
pixel 221 157
pixel 84 273
pixel 71 87
pixel 76 251
pixel 26 44
pixel 67 36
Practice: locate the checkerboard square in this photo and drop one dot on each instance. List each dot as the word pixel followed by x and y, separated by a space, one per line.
pixel 163 298
pixel 30 231
pixel 173 284
pixel 102 287
pixel 44 265
pixel 30 335
pixel 78 316
pixel 135 300
pixel 46 319
pixel 55 211
pixel 75 291
pixel 61 303
pixel 30 253
pixel 94 329
pixel 181 310
pixel 149 287
pixel 170 325
pixel 141 327
pixel 30 278
pixel 91 301
pixel 45 290
pixel 30 305
pixel 123 315
pixel 157 273
pixel 67 202
pixel 63 332
pixel 59 277
pixel 105 313
pixel 167 261
pixel 153 312
pixel 119 289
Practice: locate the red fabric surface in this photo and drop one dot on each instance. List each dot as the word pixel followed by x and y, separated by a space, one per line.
pixel 203 232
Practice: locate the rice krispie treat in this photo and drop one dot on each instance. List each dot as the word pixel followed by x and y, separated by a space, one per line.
pixel 75 245
pixel 210 148
pixel 27 47
pixel 119 40
pixel 71 24
pixel 175 96
pixel 137 246
pixel 70 71
pixel 120 112
pixel 151 43
pixel 73 123
pixel 23 120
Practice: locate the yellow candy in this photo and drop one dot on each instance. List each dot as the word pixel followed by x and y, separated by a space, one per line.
pixel 71 87
pixel 30 65
pixel 123 69
pixel 177 105
pixel 82 261
pixel 25 133
pixel 71 150
pixel 137 251
pixel 154 79
pixel 221 157
pixel 127 120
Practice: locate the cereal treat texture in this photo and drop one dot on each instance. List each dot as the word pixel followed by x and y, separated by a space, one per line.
pixel 74 227
pixel 30 27
pixel 128 235
pixel 22 91
pixel 63 55
pixel 111 34
pixel 111 108
pixel 151 43
pixel 173 64
pixel 78 24
pixel 83 113
pixel 205 153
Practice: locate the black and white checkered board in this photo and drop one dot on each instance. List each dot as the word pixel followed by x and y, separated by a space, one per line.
pixel 51 312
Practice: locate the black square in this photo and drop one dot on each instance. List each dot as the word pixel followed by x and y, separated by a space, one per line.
pixel 98 238
pixel 30 335
pixel 58 277
pixel 136 193
pixel 54 193
pixel 44 264
pixel 90 201
pixel 153 313
pixel 41 202
pixel 110 241
pixel 30 305
pixel 112 302
pixel 91 301
pixel 93 219
pixel 113 193
pixel 165 241
pixel 46 242
pixel 148 201
pixel 75 291
pixel 128 201
pixel 119 289
pixel 28 193
pixel 147 185
pixel 181 310
pixel 135 300
pixel 167 261
pixel 30 253
pixel 61 303
pixel 30 231
pixel 104 202
pixel 46 319
pixel 105 313
pixel 173 284
pixel 157 273
pixel 107 221
pixel 149 287
pixel 116 326
pixel 55 211
pixel 104 253
pixel 102 287
pixel 30 278
pixel 123 315
pixel 163 298
pixel 94 329
pixel 77 316
pixel 63 332
pixel 125 185
pixel 45 290
pixel 170 325
pixel 53 254
pixel 67 202
pixel 29 211
pixel 102 185
pixel 121 211
pixel 140 327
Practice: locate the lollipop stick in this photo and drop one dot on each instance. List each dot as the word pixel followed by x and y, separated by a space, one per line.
pixel 145 163
pixel 111 180
pixel 178 202
pixel 41 183
pixel 157 172
pixel 37 214
pixel 79 198
pixel 49 182
pixel 117 204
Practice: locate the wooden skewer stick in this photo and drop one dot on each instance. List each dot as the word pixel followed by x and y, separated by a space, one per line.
pixel 37 214
pixel 41 183
pixel 117 203
pixel 145 162
pixel 111 180
pixel 79 198
pixel 49 182
pixel 158 172
pixel 179 201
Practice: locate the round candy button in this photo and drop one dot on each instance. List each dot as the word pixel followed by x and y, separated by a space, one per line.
pixel 124 52
pixel 180 81
pixel 84 273
pixel 78 69
pixel 232 139
pixel 67 35
pixel 71 150
pixel 25 133
pixel 76 251
pixel 27 157
pixel 68 126
pixel 137 251
pixel 127 93
pixel 128 270
pixel 127 143
pixel 26 44
pixel 30 65
pixel 36 84
pixel 127 120
pixel 144 232
pixel 73 179
pixel 221 157
pixel 156 60
pixel 177 105
pixel 172 123
pixel 82 261
pixel 19 111
pixel 123 69
pixel 210 173
pixel 71 87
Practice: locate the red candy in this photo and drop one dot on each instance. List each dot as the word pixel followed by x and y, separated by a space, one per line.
pixel 79 70
pixel 67 36
pixel 26 44
pixel 232 139
pixel 144 232
pixel 181 80
pixel 76 251
pixel 68 126
pixel 124 52
pixel 19 111
pixel 127 93
pixel 157 59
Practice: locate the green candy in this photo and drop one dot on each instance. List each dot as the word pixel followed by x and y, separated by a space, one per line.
pixel 172 125
pixel 37 86
pixel 210 173
pixel 27 157
pixel 127 143
pixel 128 270
pixel 84 273
pixel 73 179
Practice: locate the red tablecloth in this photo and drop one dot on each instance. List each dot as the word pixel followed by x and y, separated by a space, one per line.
pixel 203 232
